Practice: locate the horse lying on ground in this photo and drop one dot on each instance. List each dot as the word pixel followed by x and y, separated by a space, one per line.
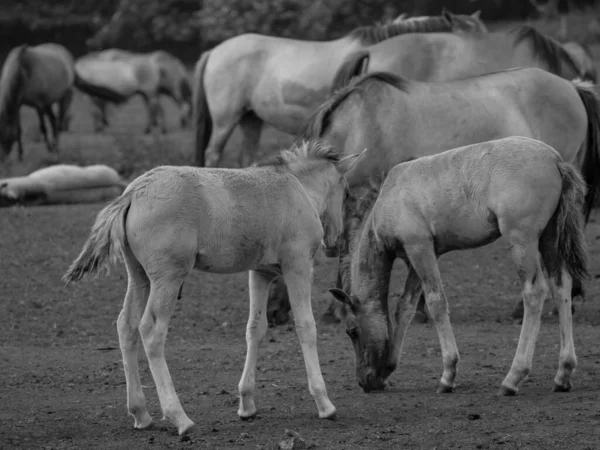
pixel 268 220
pixel 252 79
pixel 62 184
pixel 397 120
pixel 116 75
pixel 516 187
pixel 38 77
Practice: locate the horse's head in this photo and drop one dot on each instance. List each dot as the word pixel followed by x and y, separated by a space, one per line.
pixel 467 23
pixel 368 329
pixel 332 216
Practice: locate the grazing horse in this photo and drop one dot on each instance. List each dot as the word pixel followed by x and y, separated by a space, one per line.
pixel 268 220
pixel 37 77
pixel 116 75
pixel 450 56
pixel 252 79
pixel 398 120
pixel 515 187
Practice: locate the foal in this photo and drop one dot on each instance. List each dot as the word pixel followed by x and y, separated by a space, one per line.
pixel 515 187
pixel 267 220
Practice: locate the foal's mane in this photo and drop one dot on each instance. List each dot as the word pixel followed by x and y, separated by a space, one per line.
pixel 320 120
pixel 546 48
pixel 299 155
pixel 373 34
pixel 11 83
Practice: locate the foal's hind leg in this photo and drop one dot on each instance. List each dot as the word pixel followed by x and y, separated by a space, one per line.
pixel 567 361
pixel 138 289
pixel 154 325
pixel 535 289
pixel 424 261
pixel 255 332
pixel 298 278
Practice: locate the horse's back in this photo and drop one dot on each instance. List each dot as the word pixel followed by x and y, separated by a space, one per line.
pixel 51 73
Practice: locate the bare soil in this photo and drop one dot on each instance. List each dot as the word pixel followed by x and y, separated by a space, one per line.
pixel 62 384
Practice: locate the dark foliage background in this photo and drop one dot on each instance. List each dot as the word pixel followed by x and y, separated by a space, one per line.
pixel 187 27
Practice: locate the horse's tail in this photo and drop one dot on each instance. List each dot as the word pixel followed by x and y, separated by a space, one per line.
pixel 201 110
pixel 354 65
pixel 102 92
pixel 563 240
pixel 591 163
pixel 105 243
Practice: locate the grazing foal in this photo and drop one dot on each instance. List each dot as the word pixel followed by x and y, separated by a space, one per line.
pixel 268 220
pixel 464 198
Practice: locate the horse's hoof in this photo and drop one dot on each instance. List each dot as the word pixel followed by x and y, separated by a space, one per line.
pixel 506 391
pixel 332 415
pixel 420 317
pixel 562 387
pixel 185 428
pixel 444 389
pixel 248 415
pixel 144 423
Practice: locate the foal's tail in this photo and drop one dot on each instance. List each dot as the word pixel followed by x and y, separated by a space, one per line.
pixel 591 163
pixel 201 111
pixel 354 65
pixel 105 244
pixel 563 240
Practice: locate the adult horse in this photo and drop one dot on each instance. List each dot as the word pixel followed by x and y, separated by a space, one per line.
pixel 266 220
pixel 38 77
pixel 116 75
pixel 581 54
pixel 450 56
pixel 252 79
pixel 398 120
pixel 463 198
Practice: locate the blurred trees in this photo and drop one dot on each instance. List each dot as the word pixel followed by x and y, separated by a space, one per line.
pixel 187 27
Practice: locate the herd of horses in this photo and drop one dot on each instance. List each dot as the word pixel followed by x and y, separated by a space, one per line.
pixel 416 138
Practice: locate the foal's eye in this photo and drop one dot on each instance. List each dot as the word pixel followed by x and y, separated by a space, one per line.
pixel 353 333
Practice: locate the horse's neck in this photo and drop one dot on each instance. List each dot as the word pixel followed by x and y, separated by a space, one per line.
pixel 11 89
pixel 372 264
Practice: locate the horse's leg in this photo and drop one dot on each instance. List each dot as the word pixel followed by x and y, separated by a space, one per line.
pixel 535 289
pixel 54 125
pixel 138 289
pixel 20 142
pixel 153 329
pixel 152 108
pixel 405 312
pixel 424 262
pixel 64 104
pixel 421 313
pixel 567 361
pixel 298 278
pixel 251 127
pixel 99 114
pixel 44 129
pixel 255 332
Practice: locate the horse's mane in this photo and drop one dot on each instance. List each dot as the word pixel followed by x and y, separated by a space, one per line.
pixel 11 82
pixel 372 34
pixel 319 121
pixel 302 153
pixel 546 48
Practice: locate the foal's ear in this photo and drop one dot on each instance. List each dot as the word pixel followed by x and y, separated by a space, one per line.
pixel 447 15
pixel 476 14
pixel 341 296
pixel 348 162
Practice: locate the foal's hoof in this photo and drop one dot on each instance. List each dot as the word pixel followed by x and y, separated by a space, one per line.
pixel 330 415
pixel 506 391
pixel 185 428
pixel 444 389
pixel 420 317
pixel 565 387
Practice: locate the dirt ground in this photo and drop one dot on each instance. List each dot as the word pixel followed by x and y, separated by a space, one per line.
pixel 62 385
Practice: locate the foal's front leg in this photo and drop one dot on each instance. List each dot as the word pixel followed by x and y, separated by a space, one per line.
pixel 567 361
pixel 298 278
pixel 255 331
pixel 423 259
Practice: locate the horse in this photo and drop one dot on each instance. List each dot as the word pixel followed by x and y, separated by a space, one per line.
pixel 581 54
pixel 518 188
pixel 269 220
pixel 38 77
pixel 253 79
pixel 116 75
pixel 450 56
pixel 398 119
